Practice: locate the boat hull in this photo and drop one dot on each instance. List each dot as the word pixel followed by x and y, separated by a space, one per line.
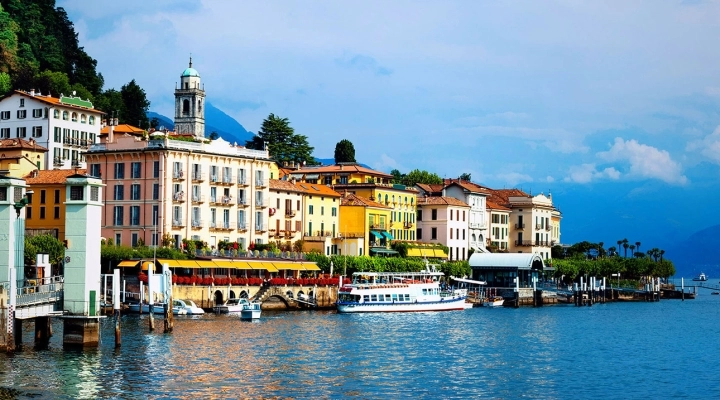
pixel 446 305
pixel 157 308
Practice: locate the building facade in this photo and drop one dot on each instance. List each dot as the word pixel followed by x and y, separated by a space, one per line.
pixel 19 157
pixel 363 226
pixel 531 226
pixel 190 104
pixel 476 197
pixel 444 220
pixel 286 213
pixel 65 126
pixel 45 212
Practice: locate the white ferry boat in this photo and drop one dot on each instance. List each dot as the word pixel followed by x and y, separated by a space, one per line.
pixel 399 292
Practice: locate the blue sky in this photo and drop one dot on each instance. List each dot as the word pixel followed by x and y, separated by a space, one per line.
pixel 609 105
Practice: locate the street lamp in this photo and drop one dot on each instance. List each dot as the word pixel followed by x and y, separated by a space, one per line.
pixel 22 202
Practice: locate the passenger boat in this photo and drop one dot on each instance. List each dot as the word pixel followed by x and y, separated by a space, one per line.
pixel 701 277
pixel 399 292
pixel 494 301
pixel 158 308
pixel 186 307
pixel 246 308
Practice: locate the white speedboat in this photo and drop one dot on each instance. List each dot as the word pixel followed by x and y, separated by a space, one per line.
pixel 251 310
pixel 702 277
pixel 186 307
pixel 494 301
pixel 398 292
pixel 158 308
pixel 246 308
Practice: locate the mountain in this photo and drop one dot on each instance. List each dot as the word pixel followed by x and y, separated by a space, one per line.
pixel 694 254
pixel 215 121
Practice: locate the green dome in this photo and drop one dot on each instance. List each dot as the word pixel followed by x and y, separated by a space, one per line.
pixel 190 72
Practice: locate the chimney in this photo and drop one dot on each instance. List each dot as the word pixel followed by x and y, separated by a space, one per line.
pixel 32 92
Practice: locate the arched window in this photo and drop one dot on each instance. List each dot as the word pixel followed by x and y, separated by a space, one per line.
pixel 65 115
pixel 74 117
pixel 56 114
pixel 83 118
pixel 186 107
pixel 386 198
pixel 91 120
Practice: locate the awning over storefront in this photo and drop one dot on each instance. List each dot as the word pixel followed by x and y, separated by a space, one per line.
pixel 377 235
pixel 125 264
pixel 312 176
pixel 440 253
pixel 264 266
pixel 311 266
pixel 225 264
pixel 414 253
pixel 388 235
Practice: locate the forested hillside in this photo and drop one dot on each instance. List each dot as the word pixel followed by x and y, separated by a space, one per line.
pixel 39 50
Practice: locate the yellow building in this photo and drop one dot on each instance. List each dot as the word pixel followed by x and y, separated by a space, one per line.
pixel 19 157
pixel 321 214
pixel 364 226
pixel 45 214
pixel 286 216
pixel 372 185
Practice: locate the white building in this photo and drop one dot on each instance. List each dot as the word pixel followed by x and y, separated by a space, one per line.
pixel 476 197
pixel 444 220
pixel 66 126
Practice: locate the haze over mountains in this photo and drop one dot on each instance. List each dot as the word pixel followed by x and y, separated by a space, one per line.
pixel 216 120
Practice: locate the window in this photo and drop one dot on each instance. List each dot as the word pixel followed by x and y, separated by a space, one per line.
pixel 463 215
pixel 156 191
pixel 434 214
pixel 134 215
pixel 57 196
pixel 65 115
pixel 135 169
pixel 83 118
pixel 21 114
pixel 91 120
pixel 135 192
pixel 5 115
pixel 76 193
pixel 37 131
pixel 58 135
pixel 95 170
pixel 28 212
pixel 74 117
pixel 334 212
pixel 5 133
pixel 433 234
pixel 22 102
pixel 419 215
pixel 155 213
pixel 419 234
pixel 133 239
pixel 37 113
pixel 42 197
pixel 156 169
pixel 42 212
pixel 451 233
pixel 56 114
pixel 119 171
pixel 343 180
pixel 310 209
pixel 118 239
pixel 21 132
pixel 119 192
pixel 56 212
pixel 118 216
pixel 322 210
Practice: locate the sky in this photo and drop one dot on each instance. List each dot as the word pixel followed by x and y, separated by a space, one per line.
pixel 610 106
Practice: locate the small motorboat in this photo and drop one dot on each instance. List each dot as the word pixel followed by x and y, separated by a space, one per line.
pixel 715 293
pixel 186 307
pixel 158 308
pixel 494 301
pixel 701 278
pixel 251 310
pixel 247 309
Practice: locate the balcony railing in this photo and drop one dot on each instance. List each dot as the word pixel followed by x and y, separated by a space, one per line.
pixel 198 198
pixel 528 243
pixel 241 226
pixel 197 224
pixel 520 226
pixel 477 225
pixel 179 197
pixel 197 176
pixel 260 228
pixel 227 200
pixel 261 182
pixel 178 222
pixel 213 199
pixel 260 203
pixel 227 180
pixel 213 178
pixel 407 225
pixel 377 226
pixel 242 181
pixel 290 213
pixel 179 175
pixel 242 202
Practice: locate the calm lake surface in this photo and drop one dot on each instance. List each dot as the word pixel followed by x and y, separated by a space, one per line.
pixel 669 349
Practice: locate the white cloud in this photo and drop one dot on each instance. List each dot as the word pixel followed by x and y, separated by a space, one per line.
pixel 645 161
pixel 549 179
pixel 709 146
pixel 513 178
pixel 386 163
pixel 586 173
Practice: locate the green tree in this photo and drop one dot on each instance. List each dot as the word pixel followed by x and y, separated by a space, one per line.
pixel 417 176
pixel 465 177
pixel 111 102
pixel 213 135
pixel 344 151
pixel 5 83
pixel 398 177
pixel 43 244
pixel 53 82
pixel 282 141
pixel 136 105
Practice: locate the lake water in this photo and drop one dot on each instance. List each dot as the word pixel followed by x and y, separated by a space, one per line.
pixel 668 349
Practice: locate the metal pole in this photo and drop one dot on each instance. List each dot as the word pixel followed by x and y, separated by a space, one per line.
pixel 682 288
pixel 151 298
pixel 116 305
pixel 167 275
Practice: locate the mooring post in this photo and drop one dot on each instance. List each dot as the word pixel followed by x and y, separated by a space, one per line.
pixel 116 305
pixel 682 288
pixel 167 286
pixel 151 297
pixel 517 291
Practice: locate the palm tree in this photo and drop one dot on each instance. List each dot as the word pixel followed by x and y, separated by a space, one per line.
pixel 632 250
pixel 637 245
pixel 601 249
pixel 661 254
pixel 612 251
pixel 625 246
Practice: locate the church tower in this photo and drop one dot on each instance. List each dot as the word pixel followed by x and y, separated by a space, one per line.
pixel 190 104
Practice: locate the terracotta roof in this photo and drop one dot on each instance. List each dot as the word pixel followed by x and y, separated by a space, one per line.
pixel 469 186
pixel 314 188
pixel 440 200
pixel 20 144
pixel 431 188
pixel 122 128
pixel 502 196
pixel 341 168
pixel 55 101
pixel 350 199
pixel 280 185
pixel 495 206
pixel 54 176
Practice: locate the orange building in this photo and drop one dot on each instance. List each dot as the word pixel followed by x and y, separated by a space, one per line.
pixel 45 213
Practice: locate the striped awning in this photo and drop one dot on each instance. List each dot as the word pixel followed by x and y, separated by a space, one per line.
pixel 125 264
pixel 377 235
pixel 260 265
pixel 414 253
pixel 225 264
pixel 440 253
pixel 311 266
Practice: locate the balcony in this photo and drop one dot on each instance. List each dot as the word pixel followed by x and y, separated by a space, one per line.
pixel 260 228
pixel 289 234
pixel 213 178
pixel 378 226
pixel 242 203
pixel 197 224
pixel 227 180
pixel 178 223
pixel 57 161
pixel 477 225
pixel 227 200
pixel 241 226
pixel 407 225
pixel 213 200
pixel 242 181
pixel 261 183
pixel 198 199
pixel 548 228
pixel 290 213
pixel 179 175
pixel 179 197
pixel 197 176
pixel 260 203
pixel 520 226
pixel 529 243
pixel 220 226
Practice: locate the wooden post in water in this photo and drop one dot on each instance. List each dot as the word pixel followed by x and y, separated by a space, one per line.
pixel 167 286
pixel 151 298
pixel 682 287
pixel 517 291
pixel 603 290
pixel 116 305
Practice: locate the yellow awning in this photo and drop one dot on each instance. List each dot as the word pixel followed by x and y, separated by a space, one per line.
pixel 287 266
pixel 414 253
pixel 170 263
pixel 241 265
pixel 128 264
pixel 224 264
pixel 206 264
pixel 311 266
pixel 267 266
pixel 188 264
pixel 440 253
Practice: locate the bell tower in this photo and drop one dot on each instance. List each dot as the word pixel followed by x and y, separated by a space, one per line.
pixel 190 104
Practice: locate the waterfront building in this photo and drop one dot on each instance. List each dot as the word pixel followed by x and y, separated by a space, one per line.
pixel 321 218
pixel 531 226
pixel 19 157
pixel 476 197
pixel 286 214
pixel 364 226
pixel 66 126
pixel 444 220
pixel 163 190
pixel 499 226
pixel 374 186
pixel 45 211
